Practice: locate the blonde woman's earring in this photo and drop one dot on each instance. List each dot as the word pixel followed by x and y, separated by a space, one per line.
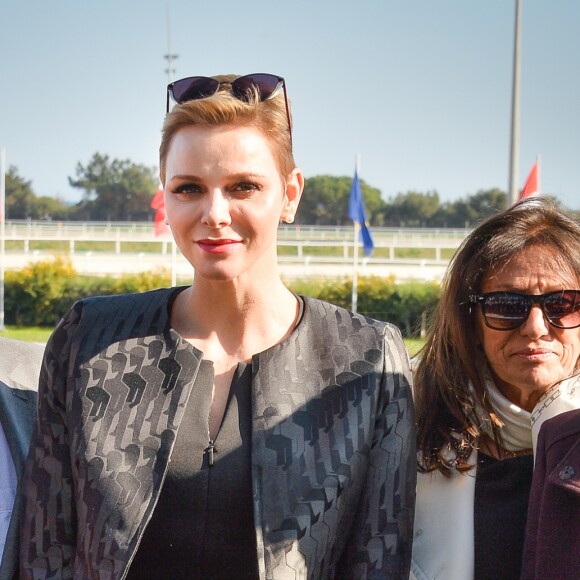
pixel 289 219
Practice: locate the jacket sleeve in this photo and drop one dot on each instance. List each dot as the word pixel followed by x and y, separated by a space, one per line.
pixel 48 529
pixel 381 539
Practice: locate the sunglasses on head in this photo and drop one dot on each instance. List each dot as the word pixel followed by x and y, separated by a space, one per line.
pixel 509 310
pixel 243 88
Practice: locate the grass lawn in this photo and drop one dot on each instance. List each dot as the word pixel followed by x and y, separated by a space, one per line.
pixel 27 333
pixel 414 345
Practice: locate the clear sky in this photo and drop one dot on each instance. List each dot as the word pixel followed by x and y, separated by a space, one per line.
pixel 421 89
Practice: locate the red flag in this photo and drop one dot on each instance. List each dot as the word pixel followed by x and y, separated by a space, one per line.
pixel 532 185
pixel 158 204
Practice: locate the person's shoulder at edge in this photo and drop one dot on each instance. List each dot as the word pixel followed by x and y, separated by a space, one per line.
pixel 16 346
pixel 19 363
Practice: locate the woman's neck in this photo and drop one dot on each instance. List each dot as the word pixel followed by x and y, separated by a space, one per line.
pixel 522 398
pixel 224 320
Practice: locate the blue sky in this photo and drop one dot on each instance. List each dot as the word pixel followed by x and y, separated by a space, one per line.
pixel 421 89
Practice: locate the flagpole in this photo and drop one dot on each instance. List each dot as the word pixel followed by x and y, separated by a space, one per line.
pixel 173 262
pixel 169 56
pixel 2 232
pixel 514 150
pixel 354 296
pixel 539 174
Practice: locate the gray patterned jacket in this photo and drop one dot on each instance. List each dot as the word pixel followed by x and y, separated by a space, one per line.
pixel 333 450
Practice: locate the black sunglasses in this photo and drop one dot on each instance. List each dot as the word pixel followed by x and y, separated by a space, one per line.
pixel 509 310
pixel 194 88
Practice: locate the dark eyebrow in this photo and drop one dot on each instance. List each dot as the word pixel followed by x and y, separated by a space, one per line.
pixel 238 176
pixel 185 178
pixel 234 177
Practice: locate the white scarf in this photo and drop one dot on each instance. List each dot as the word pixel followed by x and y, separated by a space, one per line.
pixel 443 535
pixel 521 428
pixel 516 432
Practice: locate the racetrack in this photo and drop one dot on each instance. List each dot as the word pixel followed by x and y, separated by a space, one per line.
pixel 115 264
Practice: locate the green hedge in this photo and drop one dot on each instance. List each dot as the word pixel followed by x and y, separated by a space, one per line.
pixel 40 293
pixel 406 305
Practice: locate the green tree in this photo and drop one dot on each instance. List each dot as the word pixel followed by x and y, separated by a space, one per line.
pixel 486 203
pixel 20 197
pixel 51 208
pixel 22 203
pixel 325 201
pixel 114 190
pixel 468 211
pixel 412 209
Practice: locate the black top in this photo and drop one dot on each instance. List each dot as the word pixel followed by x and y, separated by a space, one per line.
pixel 203 524
pixel 502 490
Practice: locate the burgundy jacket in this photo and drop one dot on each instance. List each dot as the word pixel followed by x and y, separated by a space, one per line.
pixel 552 548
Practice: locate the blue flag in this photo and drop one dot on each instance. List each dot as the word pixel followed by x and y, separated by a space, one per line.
pixel 356 212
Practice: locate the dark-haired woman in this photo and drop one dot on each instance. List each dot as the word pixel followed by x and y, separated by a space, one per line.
pixel 502 357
